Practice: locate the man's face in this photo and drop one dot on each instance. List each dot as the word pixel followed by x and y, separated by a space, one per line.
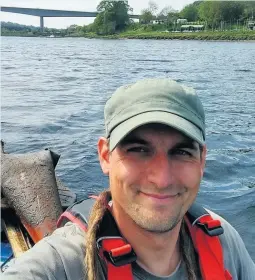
pixel 154 174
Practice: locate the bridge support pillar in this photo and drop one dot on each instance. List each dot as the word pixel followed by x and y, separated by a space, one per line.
pixel 41 24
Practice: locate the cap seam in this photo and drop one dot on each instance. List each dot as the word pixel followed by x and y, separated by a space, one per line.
pixel 158 110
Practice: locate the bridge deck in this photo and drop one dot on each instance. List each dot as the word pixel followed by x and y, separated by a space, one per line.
pixel 51 13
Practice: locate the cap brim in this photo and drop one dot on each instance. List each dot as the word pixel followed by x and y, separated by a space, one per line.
pixel 172 120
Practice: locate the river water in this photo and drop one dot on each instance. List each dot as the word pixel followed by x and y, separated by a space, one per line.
pixel 54 90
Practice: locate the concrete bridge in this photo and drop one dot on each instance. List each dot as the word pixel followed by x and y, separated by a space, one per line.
pixel 51 13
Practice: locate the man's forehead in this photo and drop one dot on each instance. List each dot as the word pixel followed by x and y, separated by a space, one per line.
pixel 152 129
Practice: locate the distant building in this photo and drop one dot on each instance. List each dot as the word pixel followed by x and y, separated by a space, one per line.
pixel 158 21
pixel 251 25
pixel 181 21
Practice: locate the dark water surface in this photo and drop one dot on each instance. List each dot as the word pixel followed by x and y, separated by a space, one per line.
pixel 54 90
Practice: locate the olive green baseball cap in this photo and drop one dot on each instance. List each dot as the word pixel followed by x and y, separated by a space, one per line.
pixel 147 101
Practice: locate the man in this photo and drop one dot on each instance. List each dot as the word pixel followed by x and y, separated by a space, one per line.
pixel 154 154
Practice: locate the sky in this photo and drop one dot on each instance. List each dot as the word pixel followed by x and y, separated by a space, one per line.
pixel 73 5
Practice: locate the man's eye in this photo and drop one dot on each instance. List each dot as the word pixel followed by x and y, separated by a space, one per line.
pixel 137 150
pixel 182 152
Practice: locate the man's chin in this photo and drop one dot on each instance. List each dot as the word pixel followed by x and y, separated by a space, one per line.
pixel 160 229
pixel 157 224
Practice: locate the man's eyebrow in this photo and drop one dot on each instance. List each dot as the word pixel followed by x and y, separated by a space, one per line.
pixel 188 144
pixel 133 140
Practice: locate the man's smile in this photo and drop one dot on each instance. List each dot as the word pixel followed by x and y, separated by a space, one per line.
pixel 160 198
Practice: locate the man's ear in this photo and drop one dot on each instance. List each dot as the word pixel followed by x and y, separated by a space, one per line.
pixel 203 159
pixel 104 154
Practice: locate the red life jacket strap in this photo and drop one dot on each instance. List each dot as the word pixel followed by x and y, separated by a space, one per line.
pixel 210 226
pixel 118 255
pixel 209 249
pixel 67 216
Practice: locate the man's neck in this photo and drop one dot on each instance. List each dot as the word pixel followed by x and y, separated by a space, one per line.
pixel 158 253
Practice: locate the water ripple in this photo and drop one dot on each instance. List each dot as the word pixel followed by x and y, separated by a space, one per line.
pixel 53 94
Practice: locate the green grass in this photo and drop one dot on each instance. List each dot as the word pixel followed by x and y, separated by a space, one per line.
pixel 141 33
pixel 204 35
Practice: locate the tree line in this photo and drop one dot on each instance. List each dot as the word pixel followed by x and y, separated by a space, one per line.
pixel 113 16
pixel 11 28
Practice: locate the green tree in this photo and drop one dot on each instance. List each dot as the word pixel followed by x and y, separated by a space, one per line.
pixel 104 24
pixel 146 16
pixel 150 13
pixel 231 10
pixel 215 13
pixel 190 12
pixel 171 19
pixel 88 28
pixel 249 10
pixel 169 15
pixel 113 16
pixel 209 11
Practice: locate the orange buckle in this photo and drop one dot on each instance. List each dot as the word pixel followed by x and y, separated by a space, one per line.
pixel 124 250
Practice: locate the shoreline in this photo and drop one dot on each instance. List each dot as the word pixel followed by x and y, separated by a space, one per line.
pixel 200 36
pixel 224 36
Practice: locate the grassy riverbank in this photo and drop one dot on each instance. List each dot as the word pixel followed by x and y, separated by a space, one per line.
pixel 204 35
pixel 247 35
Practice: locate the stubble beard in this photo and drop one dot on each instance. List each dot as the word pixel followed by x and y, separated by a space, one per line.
pixel 151 222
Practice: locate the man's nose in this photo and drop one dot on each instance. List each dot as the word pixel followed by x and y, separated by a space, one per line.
pixel 161 171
